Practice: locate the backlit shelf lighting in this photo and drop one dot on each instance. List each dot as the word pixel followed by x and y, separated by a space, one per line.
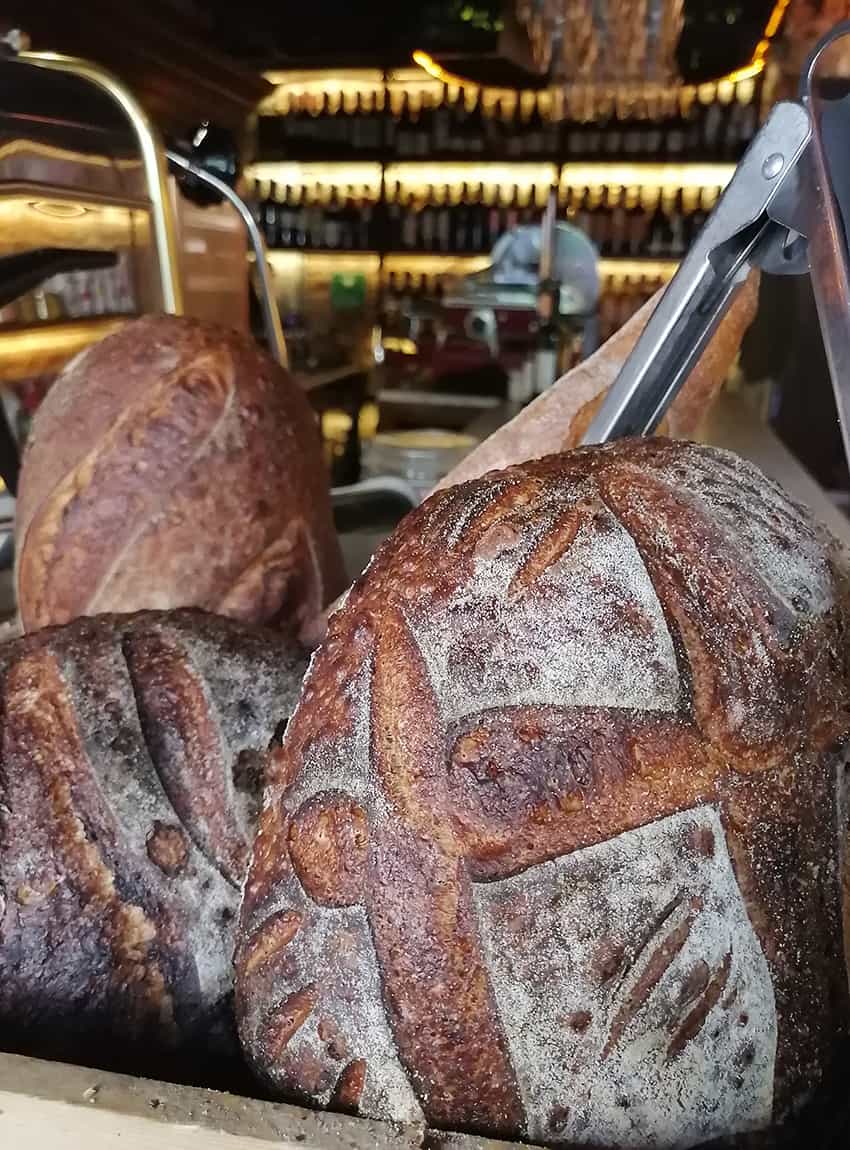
pixel 666 177
pixel 294 263
pixel 416 178
pixel 364 178
pixel 637 269
pixel 440 263
pixel 40 220
pixel 25 352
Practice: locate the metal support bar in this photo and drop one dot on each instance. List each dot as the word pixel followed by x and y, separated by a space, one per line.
pixel 271 316
pixel 153 162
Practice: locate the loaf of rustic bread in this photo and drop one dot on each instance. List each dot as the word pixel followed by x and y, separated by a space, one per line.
pixel 173 464
pixel 132 757
pixel 551 847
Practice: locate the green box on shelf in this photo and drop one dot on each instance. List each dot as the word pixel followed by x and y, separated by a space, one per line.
pixel 348 291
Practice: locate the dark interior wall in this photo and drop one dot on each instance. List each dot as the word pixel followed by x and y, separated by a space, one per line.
pixel 162 49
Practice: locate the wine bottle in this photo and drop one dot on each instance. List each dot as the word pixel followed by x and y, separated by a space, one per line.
pixel 478 221
pixel 444 222
pixel 678 243
pixel 534 139
pixel 410 224
pixel 459 238
pixel 512 210
pixel 712 127
pixel 403 137
pixel 392 239
pixel 270 223
pixel 475 126
pixel 494 222
pixel 331 222
pixel 575 141
pixel 495 130
pixel 285 220
pixel 675 141
pixel 424 129
pixel 617 241
pixel 441 123
pixel 613 138
pixel 636 222
pixel 517 132
pixel 301 219
pixel 428 222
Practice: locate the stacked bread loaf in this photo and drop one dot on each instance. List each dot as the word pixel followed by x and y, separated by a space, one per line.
pixel 552 848
pixel 171 465
pixel 553 845
pixel 131 763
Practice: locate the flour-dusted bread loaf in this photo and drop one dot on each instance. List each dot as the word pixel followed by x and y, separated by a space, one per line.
pixel 132 753
pixel 173 464
pixel 551 846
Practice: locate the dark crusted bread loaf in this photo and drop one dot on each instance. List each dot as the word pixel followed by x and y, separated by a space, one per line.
pixel 551 846
pixel 133 750
pixel 173 464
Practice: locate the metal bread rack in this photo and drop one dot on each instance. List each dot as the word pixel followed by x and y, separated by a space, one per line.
pixel 73 173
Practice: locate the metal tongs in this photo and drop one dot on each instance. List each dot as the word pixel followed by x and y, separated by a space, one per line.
pixel 785 210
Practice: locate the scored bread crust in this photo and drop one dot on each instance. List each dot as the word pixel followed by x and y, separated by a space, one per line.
pixel 173 464
pixel 132 757
pixel 616 674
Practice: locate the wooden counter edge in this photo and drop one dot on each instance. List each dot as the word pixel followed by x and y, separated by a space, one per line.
pixel 57 1106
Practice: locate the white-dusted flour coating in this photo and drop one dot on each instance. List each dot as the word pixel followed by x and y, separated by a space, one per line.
pixel 639 1009
pixel 590 632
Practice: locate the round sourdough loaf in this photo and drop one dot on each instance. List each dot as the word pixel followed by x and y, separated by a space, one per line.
pixel 173 464
pixel 132 754
pixel 551 848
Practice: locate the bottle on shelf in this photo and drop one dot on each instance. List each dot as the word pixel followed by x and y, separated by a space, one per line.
pixel 658 242
pixel 331 223
pixel 494 220
pixel 403 135
pixel 618 242
pixel 409 223
pixel 270 233
pixel 678 241
pixel 301 220
pixel 478 221
pixel 475 125
pixel 613 138
pixel 362 224
pixel 285 219
pixel 534 143
pixel 494 129
pixel 441 122
pixel 459 240
pixel 428 222
pixel 443 229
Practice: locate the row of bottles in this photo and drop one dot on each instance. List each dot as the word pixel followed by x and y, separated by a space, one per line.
pixel 621 222
pixel 620 298
pixel 300 218
pixel 633 223
pixel 460 123
pixel 76 295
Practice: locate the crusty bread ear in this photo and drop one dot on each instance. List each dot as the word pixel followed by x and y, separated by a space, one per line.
pixel 558 419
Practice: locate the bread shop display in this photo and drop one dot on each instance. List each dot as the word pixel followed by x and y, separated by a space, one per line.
pixel 389 757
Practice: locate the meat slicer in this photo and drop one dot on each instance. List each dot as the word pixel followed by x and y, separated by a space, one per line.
pixel 540 285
